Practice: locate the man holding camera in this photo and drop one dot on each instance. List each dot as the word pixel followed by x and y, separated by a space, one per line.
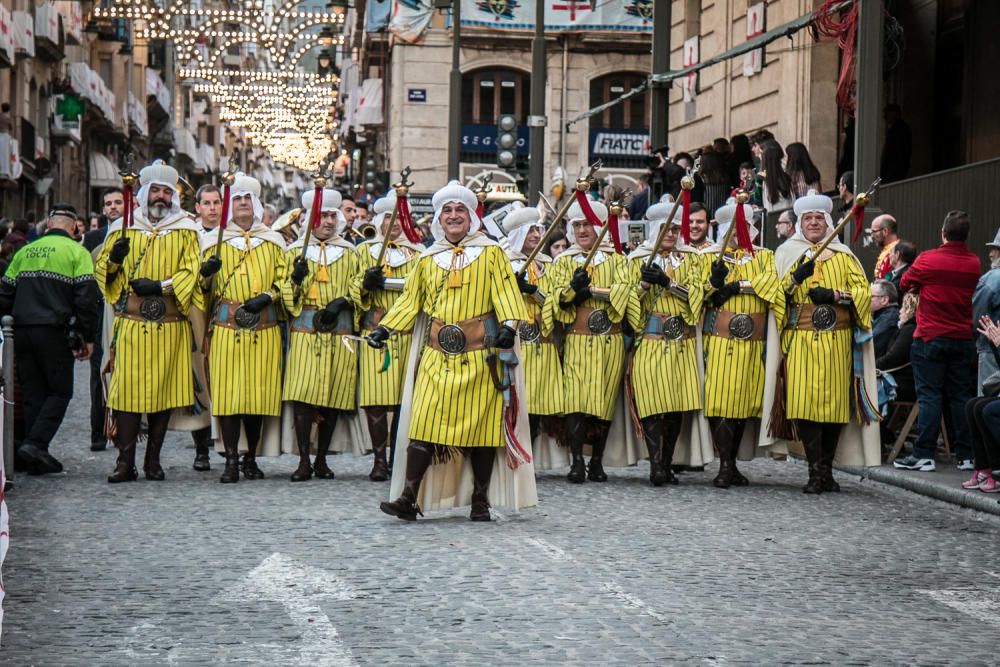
pixel 49 288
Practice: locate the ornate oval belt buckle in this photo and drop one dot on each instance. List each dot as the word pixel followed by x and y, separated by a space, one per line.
pixel 321 324
pixel 673 327
pixel 598 322
pixel 245 319
pixel 153 308
pixel 529 332
pixel 451 339
pixel 824 317
pixel 741 326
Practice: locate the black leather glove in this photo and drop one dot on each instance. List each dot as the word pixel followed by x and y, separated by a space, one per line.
pixel 146 287
pixel 719 273
pixel 505 337
pixel 334 307
pixel 821 295
pixel 803 271
pixel 581 296
pixel 524 285
pixel 374 279
pixel 728 290
pixel 300 269
pixel 119 251
pixel 257 303
pixel 627 329
pixel 652 275
pixel 210 267
pixel 378 337
pixel 579 280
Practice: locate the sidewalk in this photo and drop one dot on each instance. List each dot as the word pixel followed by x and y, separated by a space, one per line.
pixel 942 484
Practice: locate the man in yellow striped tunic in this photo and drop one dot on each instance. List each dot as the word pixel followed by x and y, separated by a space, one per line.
pixel 741 290
pixel 321 371
pixel 542 370
pixel 829 296
pixel 592 302
pixel 149 271
pixel 375 289
pixel 665 378
pixel 465 285
pixel 244 283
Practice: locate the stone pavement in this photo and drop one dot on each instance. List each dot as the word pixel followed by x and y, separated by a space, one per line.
pixel 192 572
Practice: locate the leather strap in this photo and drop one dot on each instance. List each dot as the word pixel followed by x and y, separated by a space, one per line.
pixel 586 318
pixel 460 337
pixel 226 316
pixel 807 317
pixel 721 323
pixel 306 322
pixel 155 309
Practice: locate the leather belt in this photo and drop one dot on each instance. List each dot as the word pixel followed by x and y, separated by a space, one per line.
pixel 232 315
pixel 531 332
pixel 741 326
pixel 593 322
pixel 311 320
pixel 821 317
pixel 155 309
pixel 371 318
pixel 668 327
pixel 465 336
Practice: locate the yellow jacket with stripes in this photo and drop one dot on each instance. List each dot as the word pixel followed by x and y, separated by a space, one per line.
pixel 542 368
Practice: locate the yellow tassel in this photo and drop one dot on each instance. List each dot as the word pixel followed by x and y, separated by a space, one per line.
pixel 313 292
pixel 322 276
pixel 454 278
pixel 387 271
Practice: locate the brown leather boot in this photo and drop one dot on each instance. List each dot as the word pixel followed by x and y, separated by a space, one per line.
pixel 738 426
pixel 672 430
pixel 125 467
pixel 378 428
pixel 304 472
pixel 418 459
pixel 482 470
pixel 230 426
pixel 575 434
pixel 831 438
pixel 652 429
pixel 595 469
pixel 722 435
pixel 811 434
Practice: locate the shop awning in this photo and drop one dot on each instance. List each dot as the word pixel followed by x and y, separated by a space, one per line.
pixel 103 173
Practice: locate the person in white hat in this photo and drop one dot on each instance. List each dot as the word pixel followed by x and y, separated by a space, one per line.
pixel 320 371
pixel 522 229
pixel 825 333
pixel 665 379
pixel 243 284
pixel 453 408
pixel 742 290
pixel 149 271
pixel 592 303
pixel 375 289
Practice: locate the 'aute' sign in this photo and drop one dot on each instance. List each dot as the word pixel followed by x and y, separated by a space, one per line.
pixel 618 144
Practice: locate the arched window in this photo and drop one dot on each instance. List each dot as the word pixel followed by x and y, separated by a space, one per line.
pixel 487 94
pixel 619 135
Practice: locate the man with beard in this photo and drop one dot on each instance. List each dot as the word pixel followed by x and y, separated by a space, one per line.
pixel 149 272
pixel 454 408
pixel 321 372
pixel 375 289
pixel 699 227
pixel 591 302
pixel 244 355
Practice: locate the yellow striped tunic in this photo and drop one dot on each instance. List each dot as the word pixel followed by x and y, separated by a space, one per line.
pixel 665 372
pixel 542 370
pixel 593 366
pixel 734 369
pixel 244 367
pixel 377 387
pixel 320 369
pixel 819 364
pixel 152 362
pixel 454 400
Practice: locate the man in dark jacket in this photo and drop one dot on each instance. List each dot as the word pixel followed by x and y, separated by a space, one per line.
pixel 49 288
pixel 885 315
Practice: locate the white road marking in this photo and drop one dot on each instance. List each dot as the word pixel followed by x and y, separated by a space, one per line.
pixel 981 603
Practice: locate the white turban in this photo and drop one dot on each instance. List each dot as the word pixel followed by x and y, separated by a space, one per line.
pixel 242 186
pixel 658 214
pixel 724 216
pixel 454 193
pixel 812 202
pixel 158 173
pixel 331 203
pixel 576 213
pixel 518 223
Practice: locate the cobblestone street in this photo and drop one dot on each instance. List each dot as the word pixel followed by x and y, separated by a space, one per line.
pixel 189 571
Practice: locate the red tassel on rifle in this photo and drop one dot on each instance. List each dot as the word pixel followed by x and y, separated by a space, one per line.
pixel 479 210
pixel 128 213
pixel 406 221
pixel 859 221
pixel 315 213
pixel 742 230
pixel 686 215
pixel 588 213
pixel 225 207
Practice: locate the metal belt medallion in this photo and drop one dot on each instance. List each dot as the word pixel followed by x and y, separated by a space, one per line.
pixel 121 305
pixel 245 319
pixel 153 308
pixel 322 324
pixel 741 326
pixel 598 322
pixel 824 317
pixel 451 338
pixel 673 327
pixel 529 332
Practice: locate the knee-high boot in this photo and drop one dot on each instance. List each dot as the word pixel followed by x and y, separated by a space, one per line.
pixel 378 428
pixel 230 427
pixel 652 429
pixel 576 431
pixel 202 443
pixel 672 423
pixel 418 459
pixel 324 438
pixel 738 426
pixel 722 436
pixel 154 443
pixel 811 435
pixel 253 425
pixel 482 470
pixel 128 434
pixel 595 470
pixel 831 437
pixel 303 415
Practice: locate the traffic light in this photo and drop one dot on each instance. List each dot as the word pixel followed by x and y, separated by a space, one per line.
pixel 506 141
pixel 372 177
